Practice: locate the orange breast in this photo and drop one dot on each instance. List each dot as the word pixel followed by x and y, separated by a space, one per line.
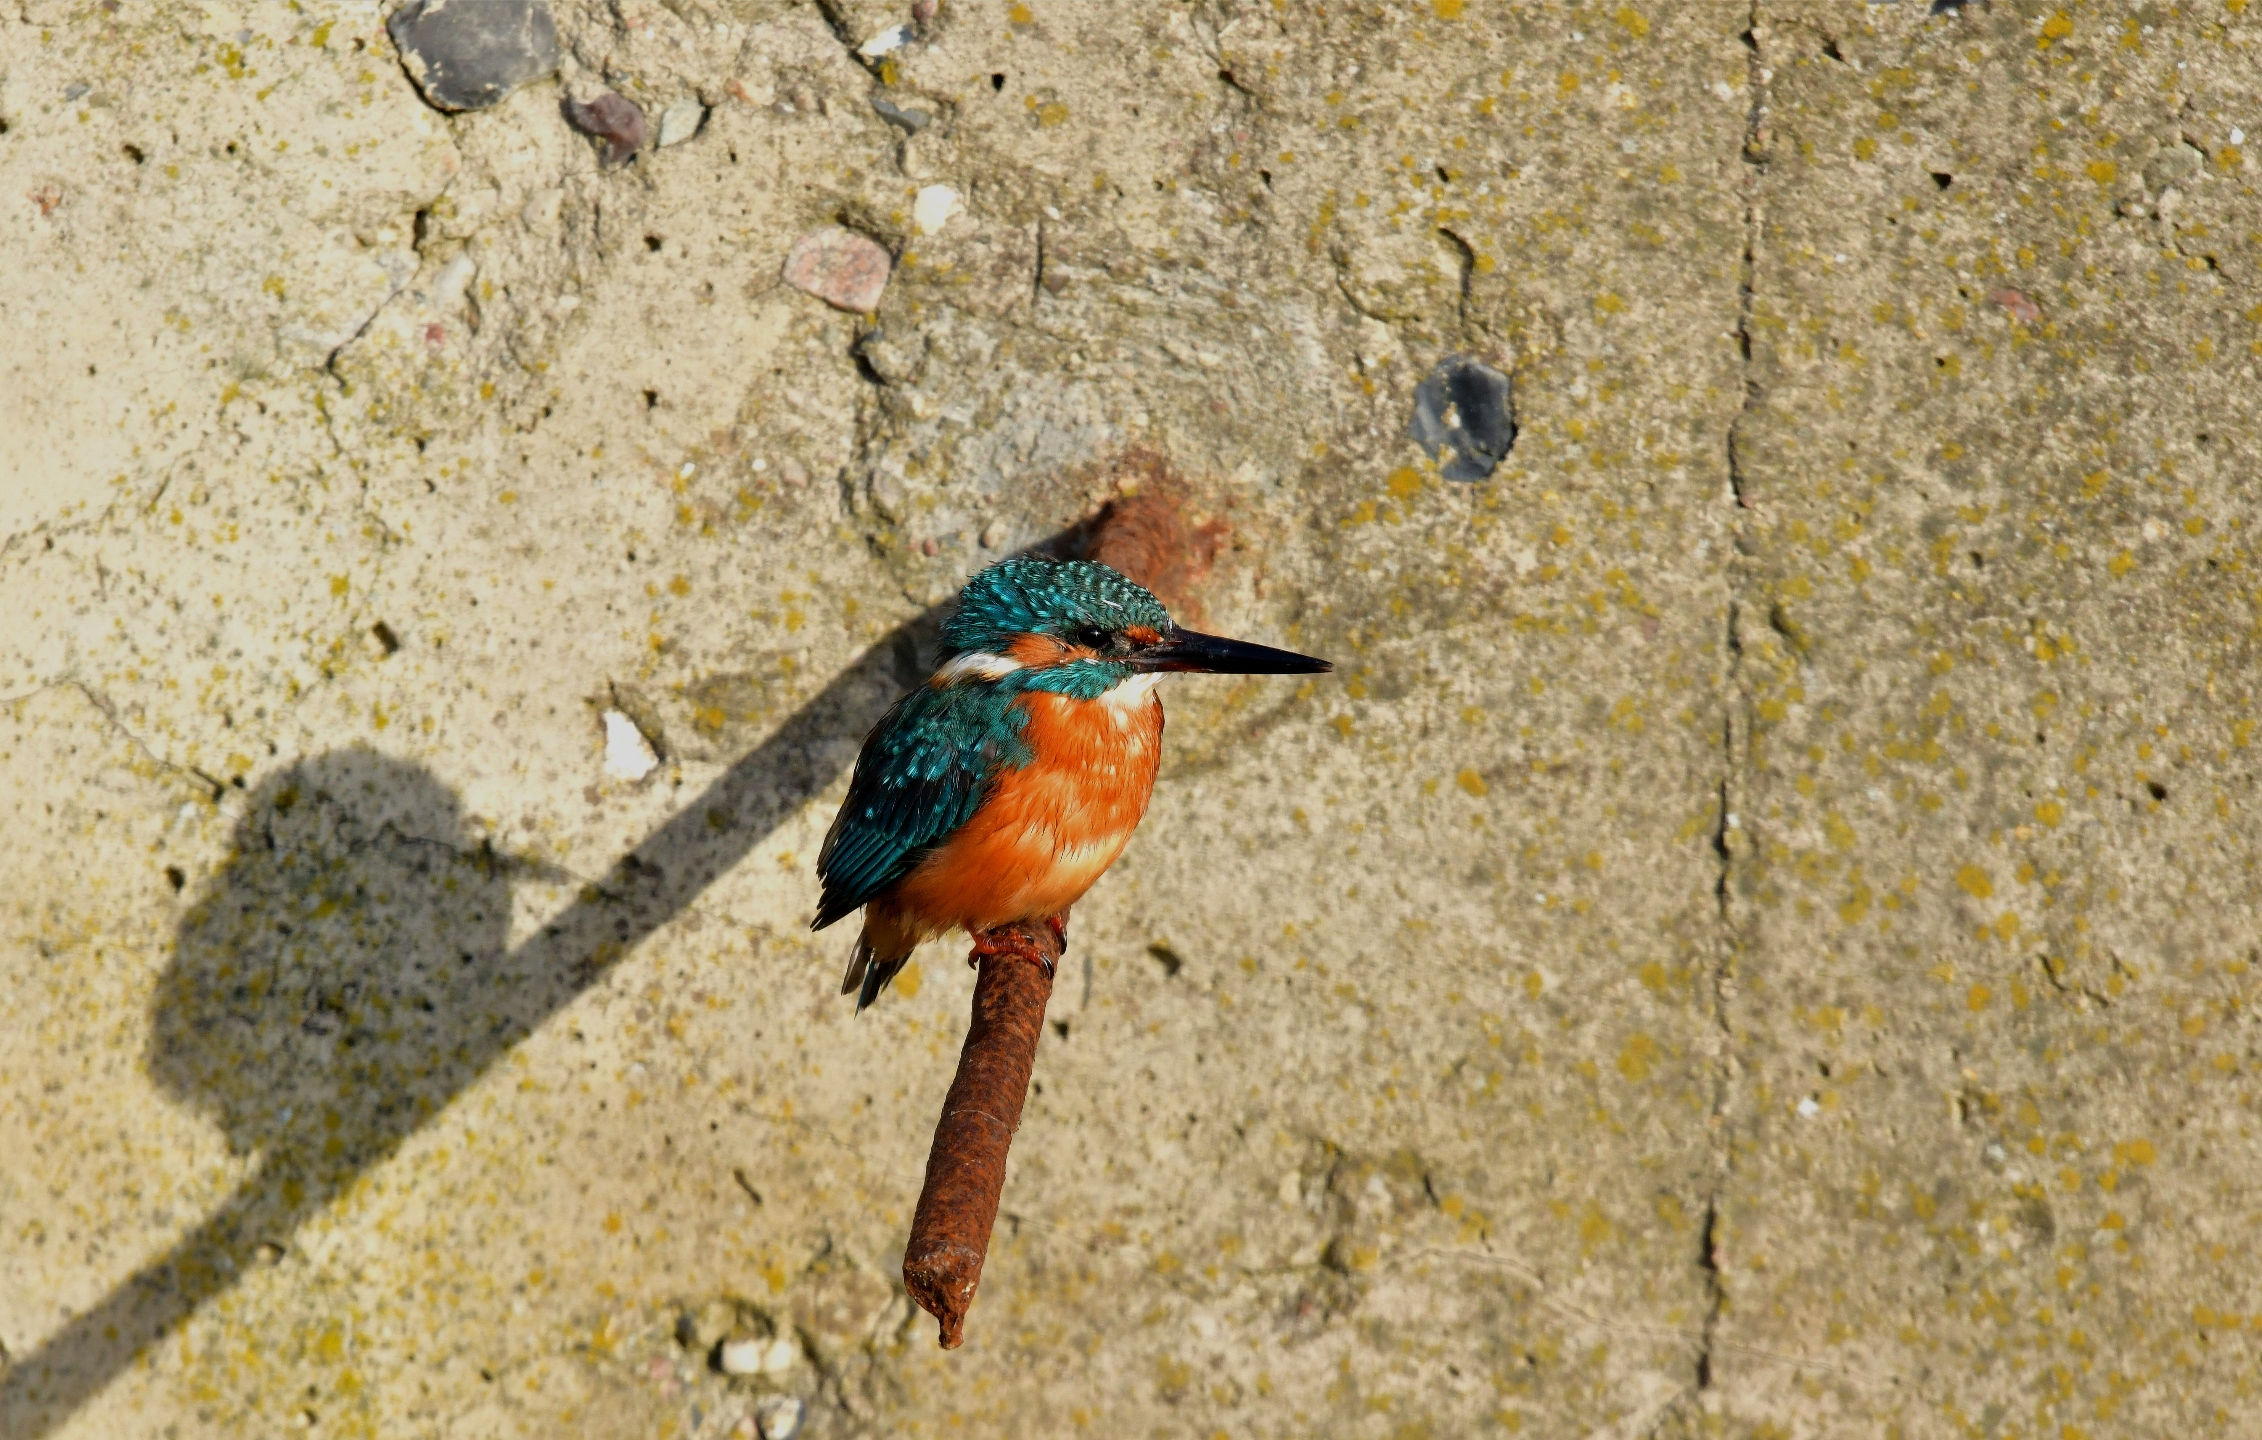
pixel 1047 831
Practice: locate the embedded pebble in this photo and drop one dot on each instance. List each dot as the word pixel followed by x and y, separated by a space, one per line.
pixel 840 267
pixel 469 54
pixel 895 37
pixel 1464 409
pixel 680 121
pixel 742 1357
pixel 614 119
pixel 2018 304
pixel 933 208
pixel 779 1416
pixel 903 117
pixel 628 755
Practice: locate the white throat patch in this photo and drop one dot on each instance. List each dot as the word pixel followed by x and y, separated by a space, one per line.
pixel 1132 697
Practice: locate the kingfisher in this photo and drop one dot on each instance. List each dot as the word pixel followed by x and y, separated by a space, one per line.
pixel 1001 789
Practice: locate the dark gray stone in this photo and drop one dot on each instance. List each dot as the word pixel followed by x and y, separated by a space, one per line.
pixel 469 54
pixel 1465 417
pixel 902 116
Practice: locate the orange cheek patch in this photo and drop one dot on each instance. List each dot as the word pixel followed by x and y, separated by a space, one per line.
pixel 1142 635
pixel 1041 651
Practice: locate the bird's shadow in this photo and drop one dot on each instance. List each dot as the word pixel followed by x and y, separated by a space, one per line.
pixel 346 974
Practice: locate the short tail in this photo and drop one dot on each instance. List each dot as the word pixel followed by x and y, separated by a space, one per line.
pixel 869 971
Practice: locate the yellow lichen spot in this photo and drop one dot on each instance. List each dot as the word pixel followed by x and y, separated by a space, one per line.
pixel 1052 113
pixel 1167 1263
pixel 1567 82
pixel 1633 1060
pixel 508 497
pixel 1924 1205
pixel 2195 526
pixel 1405 482
pixel 2104 172
pixel 1595 1228
pixel 1344 725
pixel 339 585
pixel 908 980
pixel 679 586
pixel 612 1223
pixel 2007 926
pixel 1652 976
pixel 1974 881
pixel 1468 780
pixel 1019 15
pixel 2057 27
pixel 1855 906
pixel 1865 148
pixel 1977 998
pixel 2050 813
pixel 2121 564
pixel 1448 9
pixel 1840 835
pixel 1631 21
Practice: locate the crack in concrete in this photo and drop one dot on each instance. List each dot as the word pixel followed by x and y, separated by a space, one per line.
pixel 1735 734
pixel 109 709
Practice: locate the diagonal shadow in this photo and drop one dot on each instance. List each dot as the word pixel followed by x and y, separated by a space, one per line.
pixel 341 980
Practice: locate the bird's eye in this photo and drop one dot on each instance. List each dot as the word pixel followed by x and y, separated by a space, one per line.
pixel 1092 637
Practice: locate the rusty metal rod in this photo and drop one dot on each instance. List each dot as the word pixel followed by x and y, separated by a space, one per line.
pixel 950 1231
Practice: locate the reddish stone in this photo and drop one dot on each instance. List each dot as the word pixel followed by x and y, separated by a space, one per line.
pixel 839 267
pixel 2019 305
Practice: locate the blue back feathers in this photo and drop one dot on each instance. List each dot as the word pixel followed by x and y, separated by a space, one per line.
pixel 927 765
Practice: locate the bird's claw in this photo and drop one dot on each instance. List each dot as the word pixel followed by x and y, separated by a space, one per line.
pixel 1017 942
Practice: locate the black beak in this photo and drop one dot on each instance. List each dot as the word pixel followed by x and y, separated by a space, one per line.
pixel 1216 655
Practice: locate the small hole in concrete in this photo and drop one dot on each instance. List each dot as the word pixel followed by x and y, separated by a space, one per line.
pixel 2159 791
pixel 997 80
pixel 1943 181
pixel 653 243
pixel 176 877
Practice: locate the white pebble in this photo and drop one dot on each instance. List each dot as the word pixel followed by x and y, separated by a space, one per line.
pixel 895 37
pixel 934 207
pixel 1808 1109
pixel 779 1416
pixel 680 121
pixel 628 755
pixel 782 1356
pixel 743 1357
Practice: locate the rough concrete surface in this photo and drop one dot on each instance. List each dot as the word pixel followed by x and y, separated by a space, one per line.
pixel 1755 938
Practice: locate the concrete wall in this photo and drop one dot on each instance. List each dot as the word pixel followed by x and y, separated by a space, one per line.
pixel 1755 938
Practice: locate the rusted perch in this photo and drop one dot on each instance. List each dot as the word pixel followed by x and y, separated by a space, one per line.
pixel 950 1232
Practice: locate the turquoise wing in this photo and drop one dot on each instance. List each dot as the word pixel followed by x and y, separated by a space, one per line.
pixel 923 772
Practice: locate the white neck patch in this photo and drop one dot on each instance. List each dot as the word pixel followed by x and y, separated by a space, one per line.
pixel 975 665
pixel 1131 697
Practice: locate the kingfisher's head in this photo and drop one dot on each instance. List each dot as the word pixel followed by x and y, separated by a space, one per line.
pixel 1081 629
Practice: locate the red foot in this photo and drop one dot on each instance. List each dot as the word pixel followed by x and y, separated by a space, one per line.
pixel 1016 942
